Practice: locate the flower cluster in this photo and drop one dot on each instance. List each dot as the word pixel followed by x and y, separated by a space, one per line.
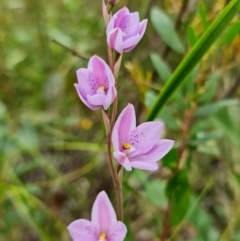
pixel 134 146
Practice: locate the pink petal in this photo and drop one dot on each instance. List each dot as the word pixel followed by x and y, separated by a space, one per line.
pixel 110 97
pixel 103 214
pixel 82 230
pixel 109 77
pixel 142 27
pixel 125 123
pixel 145 136
pixel 96 100
pixel 144 165
pixel 130 25
pixel 122 160
pixel 156 153
pixel 117 232
pixel 84 98
pixel 87 81
pixel 98 67
pixel 130 43
pixel 115 40
pixel 116 19
pixel 115 140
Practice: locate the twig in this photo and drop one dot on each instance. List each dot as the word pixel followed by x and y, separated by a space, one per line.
pixel 73 51
pixel 165 224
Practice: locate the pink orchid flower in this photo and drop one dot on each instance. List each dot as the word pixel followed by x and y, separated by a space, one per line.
pixel 96 84
pixel 125 30
pixel 104 225
pixel 138 147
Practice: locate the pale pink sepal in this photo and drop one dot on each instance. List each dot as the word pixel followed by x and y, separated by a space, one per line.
pixel 103 214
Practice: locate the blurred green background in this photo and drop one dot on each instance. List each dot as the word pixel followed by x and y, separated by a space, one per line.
pixel 52 148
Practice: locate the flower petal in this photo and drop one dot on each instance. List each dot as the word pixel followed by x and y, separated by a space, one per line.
pixel 103 214
pixel 145 136
pixel 145 165
pixel 116 19
pixel 125 123
pixel 110 97
pixel 130 43
pixel 115 40
pixel 117 232
pixel 96 100
pixel 122 160
pixel 142 27
pixel 130 25
pixel 83 98
pixel 87 81
pixel 82 230
pixel 98 67
pixel 156 153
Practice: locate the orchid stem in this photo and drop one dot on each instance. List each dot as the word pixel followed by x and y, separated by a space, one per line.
pixel 119 193
pixel 116 174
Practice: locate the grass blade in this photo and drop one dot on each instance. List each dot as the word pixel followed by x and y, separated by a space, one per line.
pixel 194 56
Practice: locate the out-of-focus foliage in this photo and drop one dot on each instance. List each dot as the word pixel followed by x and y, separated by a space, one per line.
pixel 52 148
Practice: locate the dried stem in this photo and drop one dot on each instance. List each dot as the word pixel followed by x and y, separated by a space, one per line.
pixel 165 224
pixel 73 51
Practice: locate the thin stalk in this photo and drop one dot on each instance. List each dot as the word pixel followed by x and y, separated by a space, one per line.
pixel 119 192
pixel 73 51
pixel 116 174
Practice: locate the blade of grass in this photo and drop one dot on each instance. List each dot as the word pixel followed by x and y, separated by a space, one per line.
pixel 194 56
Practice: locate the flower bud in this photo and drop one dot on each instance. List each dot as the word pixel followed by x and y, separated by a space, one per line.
pixel 124 30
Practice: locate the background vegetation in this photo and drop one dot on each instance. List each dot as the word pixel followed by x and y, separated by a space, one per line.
pixel 52 148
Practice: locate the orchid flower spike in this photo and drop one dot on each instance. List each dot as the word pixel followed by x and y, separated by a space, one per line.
pixel 96 84
pixel 138 147
pixel 104 225
pixel 125 30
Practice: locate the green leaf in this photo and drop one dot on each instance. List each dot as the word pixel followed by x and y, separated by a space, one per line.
pixel 155 192
pixel 230 33
pixel 171 159
pixel 165 29
pixel 191 35
pixel 225 122
pixel 194 56
pixel 203 15
pixel 213 108
pixel 178 192
pixel 160 66
pixel 210 88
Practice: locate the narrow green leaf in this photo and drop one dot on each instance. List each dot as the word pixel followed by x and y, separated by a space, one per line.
pixel 213 108
pixel 225 122
pixel 230 33
pixel 210 88
pixel 203 15
pixel 178 193
pixel 165 29
pixel 192 37
pixel 194 56
pixel 160 66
